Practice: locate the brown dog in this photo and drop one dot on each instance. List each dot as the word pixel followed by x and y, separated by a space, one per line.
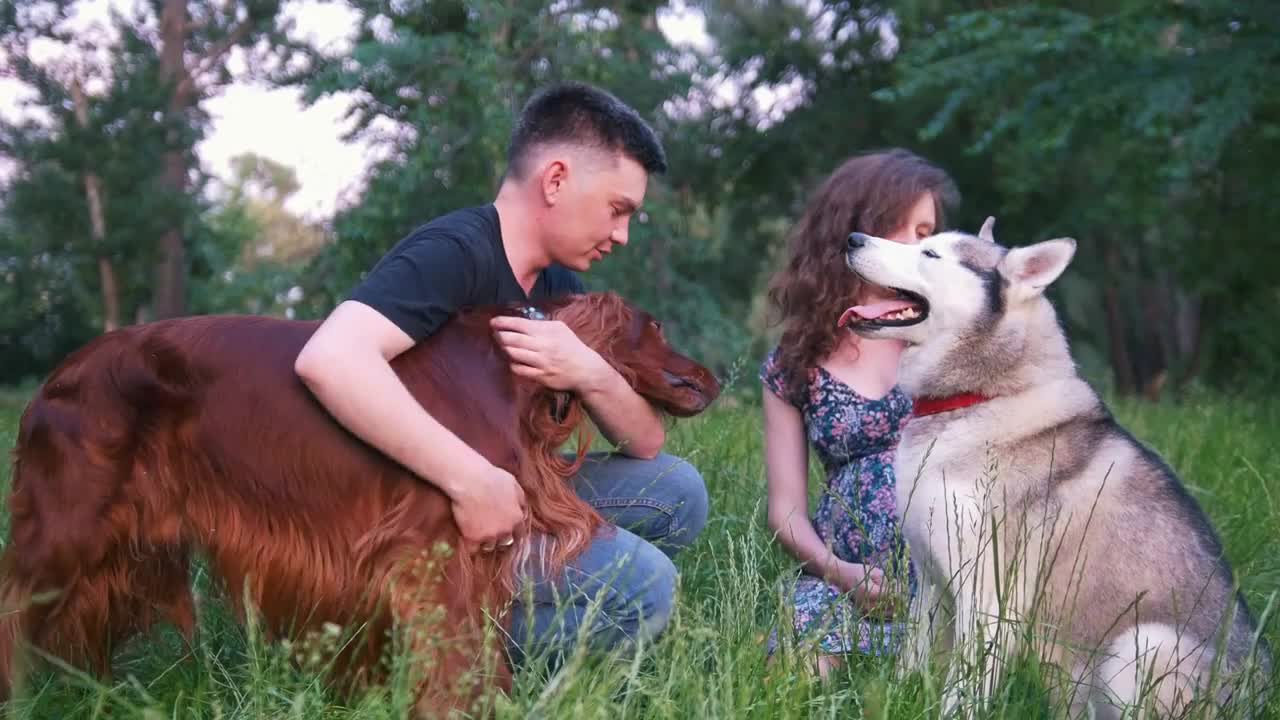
pixel 195 435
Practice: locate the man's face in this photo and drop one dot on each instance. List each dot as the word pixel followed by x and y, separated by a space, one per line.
pixel 593 196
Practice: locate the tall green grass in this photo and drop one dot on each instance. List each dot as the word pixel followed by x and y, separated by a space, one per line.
pixel 711 662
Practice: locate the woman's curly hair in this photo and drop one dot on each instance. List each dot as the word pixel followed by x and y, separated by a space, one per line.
pixel 870 193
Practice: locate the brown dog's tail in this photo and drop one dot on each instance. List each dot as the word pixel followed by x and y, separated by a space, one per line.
pixel 82 564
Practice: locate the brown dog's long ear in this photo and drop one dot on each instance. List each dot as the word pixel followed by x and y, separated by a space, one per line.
pixel 553 416
pixel 561 403
pixel 555 508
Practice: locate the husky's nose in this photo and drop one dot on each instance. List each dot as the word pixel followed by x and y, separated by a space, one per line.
pixel 857 240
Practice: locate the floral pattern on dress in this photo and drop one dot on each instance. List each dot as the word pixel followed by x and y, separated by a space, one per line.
pixel 854 437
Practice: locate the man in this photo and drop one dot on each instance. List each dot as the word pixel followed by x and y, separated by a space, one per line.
pixel 578 167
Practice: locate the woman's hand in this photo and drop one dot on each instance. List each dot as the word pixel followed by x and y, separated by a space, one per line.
pixel 866 584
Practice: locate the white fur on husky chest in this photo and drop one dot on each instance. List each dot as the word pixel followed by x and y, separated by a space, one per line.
pixel 950 472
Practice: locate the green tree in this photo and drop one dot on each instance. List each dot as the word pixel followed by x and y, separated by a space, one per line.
pixel 1145 129
pixel 86 151
pixel 798 83
pixel 260 187
pixel 253 248
pixel 91 194
pixel 176 52
pixel 195 40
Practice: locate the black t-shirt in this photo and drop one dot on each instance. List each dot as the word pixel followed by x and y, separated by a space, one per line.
pixel 450 263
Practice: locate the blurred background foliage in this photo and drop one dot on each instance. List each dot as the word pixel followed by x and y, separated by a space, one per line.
pixel 1149 131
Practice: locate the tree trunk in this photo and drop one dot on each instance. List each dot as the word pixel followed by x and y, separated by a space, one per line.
pixel 169 294
pixel 1121 364
pixel 1190 311
pixel 97 222
pixel 1156 357
pixel 170 289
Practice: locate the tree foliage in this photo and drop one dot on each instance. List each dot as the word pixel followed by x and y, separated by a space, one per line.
pixel 1144 129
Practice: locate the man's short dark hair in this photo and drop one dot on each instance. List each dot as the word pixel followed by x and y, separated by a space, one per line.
pixel 584 115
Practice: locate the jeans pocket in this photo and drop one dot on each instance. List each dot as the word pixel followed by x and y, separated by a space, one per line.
pixel 646 517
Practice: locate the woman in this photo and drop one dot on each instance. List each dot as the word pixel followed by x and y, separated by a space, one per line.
pixel 828 388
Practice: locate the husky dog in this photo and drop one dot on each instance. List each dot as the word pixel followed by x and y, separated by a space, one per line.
pixel 1030 513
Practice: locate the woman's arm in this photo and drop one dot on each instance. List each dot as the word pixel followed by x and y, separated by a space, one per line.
pixel 786 460
pixel 786 454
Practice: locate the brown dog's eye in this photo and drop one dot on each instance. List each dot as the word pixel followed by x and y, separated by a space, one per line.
pixel 656 325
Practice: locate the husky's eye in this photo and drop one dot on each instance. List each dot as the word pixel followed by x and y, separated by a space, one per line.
pixel 931 254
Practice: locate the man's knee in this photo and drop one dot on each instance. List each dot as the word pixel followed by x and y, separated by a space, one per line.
pixel 687 493
pixel 653 599
pixel 640 595
pixel 663 499
pixel 622 590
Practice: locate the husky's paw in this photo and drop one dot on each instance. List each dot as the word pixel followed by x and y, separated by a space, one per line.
pixel 913 658
pixel 954 706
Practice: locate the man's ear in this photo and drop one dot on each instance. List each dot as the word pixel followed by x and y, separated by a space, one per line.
pixel 1029 270
pixel 554 176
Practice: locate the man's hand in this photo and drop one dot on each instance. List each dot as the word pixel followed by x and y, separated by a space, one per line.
pixel 549 352
pixel 489 507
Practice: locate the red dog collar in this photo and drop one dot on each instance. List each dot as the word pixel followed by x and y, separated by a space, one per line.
pixel 933 406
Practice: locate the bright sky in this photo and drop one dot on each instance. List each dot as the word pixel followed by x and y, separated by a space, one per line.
pixel 273 123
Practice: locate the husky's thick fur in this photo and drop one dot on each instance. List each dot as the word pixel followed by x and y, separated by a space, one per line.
pixel 1035 520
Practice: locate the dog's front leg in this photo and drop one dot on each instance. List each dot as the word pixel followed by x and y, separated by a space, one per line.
pixel 924 621
pixel 962 659
pixel 983 640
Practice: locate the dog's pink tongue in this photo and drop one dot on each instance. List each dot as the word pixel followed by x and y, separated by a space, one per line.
pixel 872 311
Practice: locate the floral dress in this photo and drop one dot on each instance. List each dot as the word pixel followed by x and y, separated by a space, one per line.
pixel 854 437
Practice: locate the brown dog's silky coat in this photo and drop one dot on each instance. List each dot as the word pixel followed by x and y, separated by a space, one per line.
pixel 158 441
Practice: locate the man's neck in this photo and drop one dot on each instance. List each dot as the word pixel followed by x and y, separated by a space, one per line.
pixel 520 229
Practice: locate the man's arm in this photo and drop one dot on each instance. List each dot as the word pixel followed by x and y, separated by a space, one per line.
pixel 624 417
pixel 346 365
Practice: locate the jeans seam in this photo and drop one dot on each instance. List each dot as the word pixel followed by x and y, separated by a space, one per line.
pixel 615 502
pixel 665 508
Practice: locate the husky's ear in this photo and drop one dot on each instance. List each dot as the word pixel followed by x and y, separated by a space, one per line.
pixel 1029 270
pixel 985 232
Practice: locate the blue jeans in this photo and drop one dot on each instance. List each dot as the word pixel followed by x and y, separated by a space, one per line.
pixel 622 586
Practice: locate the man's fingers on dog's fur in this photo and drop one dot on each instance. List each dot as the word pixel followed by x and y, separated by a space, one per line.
pixel 511 340
pixel 512 322
pixel 527 371
pixel 525 357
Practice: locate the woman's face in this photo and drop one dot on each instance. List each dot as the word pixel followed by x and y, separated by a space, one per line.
pixel 921 222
